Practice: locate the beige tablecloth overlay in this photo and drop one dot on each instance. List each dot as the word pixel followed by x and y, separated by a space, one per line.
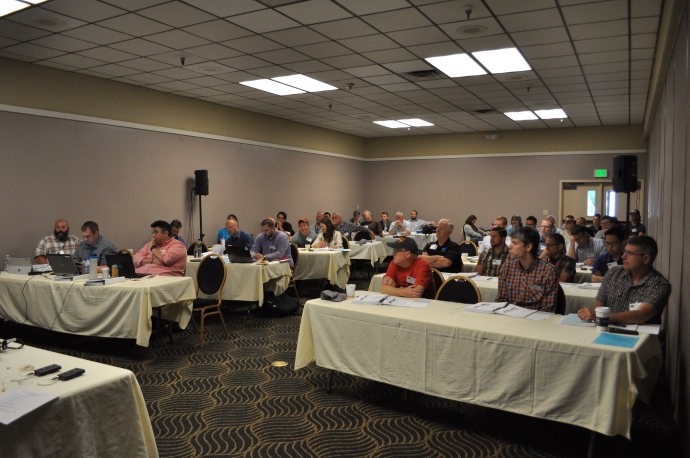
pixel 333 265
pixel 246 282
pixel 374 252
pixel 575 298
pixel 121 310
pixel 101 413
pixel 536 368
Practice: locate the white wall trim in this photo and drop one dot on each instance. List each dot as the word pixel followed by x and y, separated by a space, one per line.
pixel 189 133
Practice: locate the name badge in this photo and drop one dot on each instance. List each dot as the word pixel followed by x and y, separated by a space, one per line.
pixel 346 234
pixel 308 239
pixel 634 230
pixel 61 252
pixel 635 306
pixel 411 280
pixel 542 246
pixel 433 247
pixel 496 262
pixel 535 287
pixel 272 247
pixel 612 264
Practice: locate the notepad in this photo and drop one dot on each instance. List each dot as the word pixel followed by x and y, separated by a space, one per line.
pixel 485 307
pixel 590 286
pixel 484 278
pixel 515 311
pixel 105 281
pixel 19 402
pixel 572 319
pixel 616 340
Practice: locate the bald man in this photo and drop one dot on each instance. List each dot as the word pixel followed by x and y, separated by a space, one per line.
pixel 60 242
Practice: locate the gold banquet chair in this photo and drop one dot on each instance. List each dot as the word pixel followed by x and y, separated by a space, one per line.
pixel 294 252
pixel 469 247
pixel 438 277
pixel 210 279
pixel 459 289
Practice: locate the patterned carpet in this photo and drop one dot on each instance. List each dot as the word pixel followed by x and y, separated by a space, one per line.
pixel 228 399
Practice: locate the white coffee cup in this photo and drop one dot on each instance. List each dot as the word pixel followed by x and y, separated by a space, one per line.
pixel 602 319
pixel 106 273
pixel 350 290
pixel 464 256
pixel 307 246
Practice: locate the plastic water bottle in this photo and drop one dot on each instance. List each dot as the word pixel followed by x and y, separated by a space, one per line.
pixel 85 266
pixel 7 262
pixel 222 241
pixel 93 267
pixel 197 249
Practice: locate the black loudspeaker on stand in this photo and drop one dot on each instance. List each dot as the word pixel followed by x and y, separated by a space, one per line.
pixel 625 180
pixel 201 189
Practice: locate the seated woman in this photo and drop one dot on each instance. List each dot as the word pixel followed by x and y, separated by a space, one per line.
pixel 328 237
pixel 471 231
pixel 515 223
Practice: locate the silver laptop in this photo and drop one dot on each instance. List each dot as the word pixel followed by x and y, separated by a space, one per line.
pixel 62 264
pixel 20 266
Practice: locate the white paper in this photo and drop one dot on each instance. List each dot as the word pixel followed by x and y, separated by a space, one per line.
pixel 649 328
pixel 20 402
pixel 419 304
pixel 515 311
pixel 485 307
pixel 398 302
pixel 539 316
pixel 568 285
pixel 369 299
pixel 629 327
pixel 590 286
pixel 485 278
pixel 41 268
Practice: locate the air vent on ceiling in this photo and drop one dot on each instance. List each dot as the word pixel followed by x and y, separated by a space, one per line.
pixel 274 3
pixel 423 75
pixel 487 111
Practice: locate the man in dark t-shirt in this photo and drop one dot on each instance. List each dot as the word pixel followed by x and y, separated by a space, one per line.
pixel 443 254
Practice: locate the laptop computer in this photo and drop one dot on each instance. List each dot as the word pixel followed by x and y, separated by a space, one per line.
pixel 20 266
pixel 125 265
pixel 62 264
pixel 239 254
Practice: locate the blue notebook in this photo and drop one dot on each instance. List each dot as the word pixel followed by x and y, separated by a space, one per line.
pixel 616 340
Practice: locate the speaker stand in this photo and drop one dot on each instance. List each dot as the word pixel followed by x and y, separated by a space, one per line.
pixel 201 229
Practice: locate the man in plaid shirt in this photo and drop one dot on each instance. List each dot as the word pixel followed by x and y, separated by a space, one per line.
pixel 526 280
pixel 348 229
pixel 635 292
pixel 491 261
pixel 58 243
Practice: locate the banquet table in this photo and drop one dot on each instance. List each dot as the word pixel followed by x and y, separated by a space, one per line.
pixel 576 298
pixel 100 413
pixel 332 265
pixel 373 252
pixel 421 240
pixel 535 368
pixel 121 310
pixel 247 282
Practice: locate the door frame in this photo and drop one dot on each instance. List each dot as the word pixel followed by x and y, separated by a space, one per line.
pixel 598 182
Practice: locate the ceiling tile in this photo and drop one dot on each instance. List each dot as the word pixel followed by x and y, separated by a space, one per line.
pixel 604 57
pixel 548 50
pixel 403 19
pixel 177 39
pixel 282 56
pixel 466 29
pixel 352 60
pixel 34 51
pixel 206 81
pixel 73 60
pixel 235 77
pixel 420 36
pixel 219 30
pixel 244 62
pixel 307 66
pixel 645 40
pixel 434 84
pixel 454 11
pixel 93 73
pixel 369 43
pixel 114 70
pixel 602 44
pixel 205 91
pixel 554 62
pixel 133 5
pixel 178 85
pixel 362 7
pixel 214 51
pixel 500 7
pixel 129 81
pixel 176 14
pixel 86 10
pixel 140 47
pixel 325 49
pixel 558 72
pixel 145 65
pixel 225 8
pixel 616 76
pixel 263 21
pixel 595 12
pixel 542 36
pixel 644 53
pixel 644 25
pixel 134 24
pixel 20 32
pixel 272 71
pixel 369 70
pixel 598 30
pixel 173 58
pixel 314 11
pixel 437 49
pixel 298 36
pixel 333 75
pixel 345 28
pixel 385 79
pixel 56 65
pixel 107 55
pixel 63 43
pixel 4 42
pixel 26 16
pixel 408 66
pixel 253 44
pixel 400 87
pixel 97 34
pixel 640 8
pixel 390 55
pixel 532 20
pixel 486 43
pixel 641 64
pixel 177 73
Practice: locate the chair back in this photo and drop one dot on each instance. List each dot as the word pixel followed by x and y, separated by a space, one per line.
pixel 346 243
pixel 190 249
pixel 361 235
pixel 459 289
pixel 211 275
pixel 560 302
pixel 438 277
pixel 125 251
pixel 468 247
pixel 294 252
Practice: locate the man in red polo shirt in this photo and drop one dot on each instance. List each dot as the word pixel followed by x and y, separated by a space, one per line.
pixel 408 275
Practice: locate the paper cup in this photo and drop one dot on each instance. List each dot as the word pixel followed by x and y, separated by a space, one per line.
pixel 106 273
pixel 307 246
pixel 602 319
pixel 350 290
pixel 464 256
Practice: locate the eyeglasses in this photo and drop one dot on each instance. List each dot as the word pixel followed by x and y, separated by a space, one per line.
pixel 629 253
pixel 618 242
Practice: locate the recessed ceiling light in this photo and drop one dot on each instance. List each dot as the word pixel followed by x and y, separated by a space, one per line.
pixel 209 69
pixel 456 65
pixel 471 30
pixel 305 83
pixel 556 113
pixel 521 115
pixel 273 87
pixel 391 124
pixel 502 60
pixel 47 22
pixel 415 122
pixel 10 6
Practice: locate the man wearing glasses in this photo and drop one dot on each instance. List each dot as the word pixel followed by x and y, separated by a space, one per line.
pixel 163 255
pixel 547 228
pixel 408 275
pixel 615 243
pixel 564 265
pixel 93 243
pixel 636 293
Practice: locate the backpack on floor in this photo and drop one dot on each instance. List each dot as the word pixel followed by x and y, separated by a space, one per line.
pixel 278 306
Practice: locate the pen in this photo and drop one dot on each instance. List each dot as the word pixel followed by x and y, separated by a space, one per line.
pixel 383 299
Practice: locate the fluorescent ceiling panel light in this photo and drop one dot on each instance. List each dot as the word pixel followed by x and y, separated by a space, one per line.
pixel 415 122
pixel 502 60
pixel 305 83
pixel 10 6
pixel 273 87
pixel 521 115
pixel 556 113
pixel 456 65
pixel 391 124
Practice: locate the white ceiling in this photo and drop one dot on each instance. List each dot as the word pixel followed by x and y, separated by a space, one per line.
pixel 591 58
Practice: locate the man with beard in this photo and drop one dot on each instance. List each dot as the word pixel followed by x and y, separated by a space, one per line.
pixel 58 243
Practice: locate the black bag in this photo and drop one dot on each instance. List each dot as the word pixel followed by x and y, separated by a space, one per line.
pixel 278 306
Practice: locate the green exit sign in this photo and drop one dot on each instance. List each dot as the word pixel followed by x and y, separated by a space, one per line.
pixel 601 173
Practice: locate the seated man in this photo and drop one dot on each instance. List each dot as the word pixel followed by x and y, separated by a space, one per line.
pixel 635 227
pixel 526 280
pixel 348 229
pixel 491 261
pixel 547 228
pixel 282 224
pixel 443 254
pixel 636 293
pixel 584 248
pixel 531 221
pixel 304 236
pixel 236 237
pixel 370 223
pixel 163 255
pixel 408 275
pixel 615 244
pixel 60 242
pixel 385 223
pixel 316 227
pixel 607 222
pixel 415 224
pixel 356 217
pixel 564 265
pixel 399 226
pixel 94 243
pixel 223 233
pixel 272 244
pixel 500 221
pixel 596 225
pixel 175 226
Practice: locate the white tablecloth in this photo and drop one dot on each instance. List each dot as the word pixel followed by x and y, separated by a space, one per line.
pixel 576 298
pixel 536 368
pixel 421 240
pixel 373 251
pixel 121 310
pixel 333 265
pixel 247 282
pixel 99 414
pixel 581 276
